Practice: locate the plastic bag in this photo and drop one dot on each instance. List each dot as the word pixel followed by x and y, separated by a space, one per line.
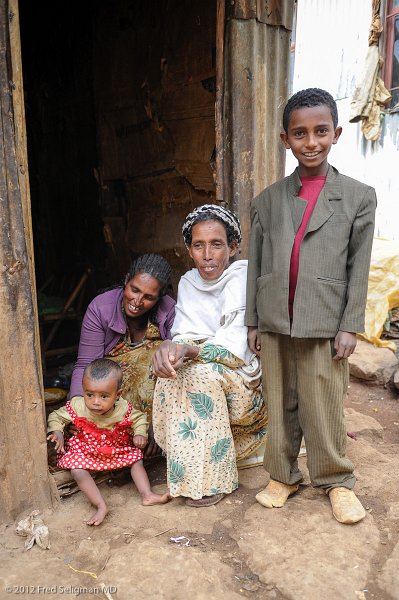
pixel 35 530
pixel 383 290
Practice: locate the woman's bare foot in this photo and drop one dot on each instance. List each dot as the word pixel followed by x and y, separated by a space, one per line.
pixel 152 498
pixel 98 517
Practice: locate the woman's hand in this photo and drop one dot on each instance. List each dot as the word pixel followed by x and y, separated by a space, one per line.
pixel 58 438
pixel 140 441
pixel 254 338
pixel 170 357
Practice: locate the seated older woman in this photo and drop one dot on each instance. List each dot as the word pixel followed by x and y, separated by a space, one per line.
pixel 208 406
pixel 127 324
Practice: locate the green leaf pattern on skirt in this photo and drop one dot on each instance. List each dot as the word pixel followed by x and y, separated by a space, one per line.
pixel 205 419
pixel 202 404
pixel 187 429
pixel 220 449
pixel 176 472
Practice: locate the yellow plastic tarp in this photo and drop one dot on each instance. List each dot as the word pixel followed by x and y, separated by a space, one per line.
pixel 383 290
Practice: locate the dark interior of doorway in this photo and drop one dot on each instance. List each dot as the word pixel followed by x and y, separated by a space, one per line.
pixel 119 99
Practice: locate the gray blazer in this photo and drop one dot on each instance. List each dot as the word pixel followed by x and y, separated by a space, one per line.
pixel 334 259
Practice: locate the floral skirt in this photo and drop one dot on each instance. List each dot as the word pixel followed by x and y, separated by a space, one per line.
pixel 205 420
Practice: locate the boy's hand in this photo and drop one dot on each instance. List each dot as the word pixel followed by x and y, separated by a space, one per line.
pixel 254 338
pixel 58 438
pixel 344 344
pixel 140 441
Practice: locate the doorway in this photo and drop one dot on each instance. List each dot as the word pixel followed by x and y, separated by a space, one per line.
pixel 120 112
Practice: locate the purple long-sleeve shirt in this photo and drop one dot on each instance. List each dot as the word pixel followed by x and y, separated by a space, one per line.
pixel 103 326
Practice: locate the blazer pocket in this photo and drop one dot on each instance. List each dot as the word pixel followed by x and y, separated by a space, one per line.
pixel 331 280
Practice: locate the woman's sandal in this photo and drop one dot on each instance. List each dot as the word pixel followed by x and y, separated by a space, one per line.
pixel 205 501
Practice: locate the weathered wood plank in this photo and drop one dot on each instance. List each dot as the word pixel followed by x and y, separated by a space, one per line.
pixel 23 451
pixel 219 130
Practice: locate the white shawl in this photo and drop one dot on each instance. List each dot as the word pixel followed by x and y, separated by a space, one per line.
pixel 214 310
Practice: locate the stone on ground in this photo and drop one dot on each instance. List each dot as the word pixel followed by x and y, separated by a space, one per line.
pixel 373 363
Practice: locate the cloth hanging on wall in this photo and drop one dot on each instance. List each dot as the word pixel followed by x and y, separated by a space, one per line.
pixel 371 95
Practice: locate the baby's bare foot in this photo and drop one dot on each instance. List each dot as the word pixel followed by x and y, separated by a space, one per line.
pixel 98 517
pixel 152 498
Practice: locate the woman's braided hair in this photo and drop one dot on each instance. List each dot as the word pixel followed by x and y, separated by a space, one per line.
pixel 159 268
pixel 154 265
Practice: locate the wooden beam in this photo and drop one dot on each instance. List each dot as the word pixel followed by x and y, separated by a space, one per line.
pixel 219 119
pixel 26 483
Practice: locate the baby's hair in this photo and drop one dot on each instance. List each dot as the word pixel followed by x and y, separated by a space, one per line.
pixel 154 265
pixel 103 368
pixel 308 98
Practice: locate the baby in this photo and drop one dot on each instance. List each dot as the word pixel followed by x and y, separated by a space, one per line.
pixel 104 422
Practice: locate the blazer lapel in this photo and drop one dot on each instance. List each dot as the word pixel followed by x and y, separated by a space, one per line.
pixel 296 205
pixel 323 209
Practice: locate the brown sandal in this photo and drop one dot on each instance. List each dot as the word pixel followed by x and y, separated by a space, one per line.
pixel 205 501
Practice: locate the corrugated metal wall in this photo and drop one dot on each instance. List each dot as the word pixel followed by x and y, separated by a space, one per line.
pixel 331 44
pixel 256 89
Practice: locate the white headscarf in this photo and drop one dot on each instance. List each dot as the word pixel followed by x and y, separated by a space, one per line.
pixel 214 310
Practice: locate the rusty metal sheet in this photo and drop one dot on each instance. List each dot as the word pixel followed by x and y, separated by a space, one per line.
pixel 255 91
pixel 241 9
pixel 276 12
pixel 272 12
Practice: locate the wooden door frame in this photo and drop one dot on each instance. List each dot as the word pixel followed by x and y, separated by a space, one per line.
pixel 27 484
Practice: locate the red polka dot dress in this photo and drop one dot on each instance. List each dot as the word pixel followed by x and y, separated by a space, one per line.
pixel 98 449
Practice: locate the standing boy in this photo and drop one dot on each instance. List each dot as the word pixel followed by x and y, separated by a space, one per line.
pixel 309 259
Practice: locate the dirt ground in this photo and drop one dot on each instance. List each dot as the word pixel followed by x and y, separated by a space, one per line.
pixel 237 549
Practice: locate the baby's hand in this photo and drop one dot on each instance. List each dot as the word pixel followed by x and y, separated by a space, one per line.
pixel 58 438
pixel 140 441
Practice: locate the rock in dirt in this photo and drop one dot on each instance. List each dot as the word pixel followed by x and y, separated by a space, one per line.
pixel 362 424
pixel 373 363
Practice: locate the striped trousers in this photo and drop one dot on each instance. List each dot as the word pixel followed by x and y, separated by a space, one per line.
pixel 305 390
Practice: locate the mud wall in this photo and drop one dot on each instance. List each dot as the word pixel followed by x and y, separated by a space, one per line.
pixel 154 93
